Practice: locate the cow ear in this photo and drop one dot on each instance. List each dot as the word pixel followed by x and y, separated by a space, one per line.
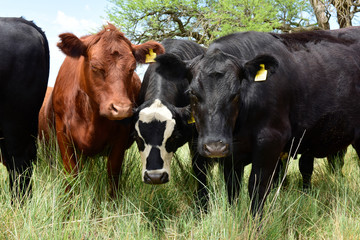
pixel 259 68
pixel 190 66
pixel 183 114
pixel 170 66
pixel 147 52
pixel 71 45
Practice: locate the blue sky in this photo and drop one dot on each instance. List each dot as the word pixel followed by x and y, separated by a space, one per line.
pixel 55 17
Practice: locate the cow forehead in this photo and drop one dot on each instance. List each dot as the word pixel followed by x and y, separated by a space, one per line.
pixel 214 84
pixel 156 111
pixel 210 65
pixel 155 124
pixel 110 47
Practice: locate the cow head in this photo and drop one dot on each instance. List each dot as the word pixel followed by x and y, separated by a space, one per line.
pixel 218 92
pixel 161 127
pixel 108 60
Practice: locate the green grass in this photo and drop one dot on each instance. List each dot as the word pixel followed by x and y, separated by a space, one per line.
pixel 330 210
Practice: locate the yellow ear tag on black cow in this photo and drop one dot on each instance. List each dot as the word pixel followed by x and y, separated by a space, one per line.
pixel 191 120
pixel 261 74
pixel 150 57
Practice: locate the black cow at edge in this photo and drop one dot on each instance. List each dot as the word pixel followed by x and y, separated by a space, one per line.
pixel 255 92
pixel 162 119
pixel 24 72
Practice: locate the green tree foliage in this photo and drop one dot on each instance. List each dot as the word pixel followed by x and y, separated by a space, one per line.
pixel 205 20
pixel 233 15
pixel 294 15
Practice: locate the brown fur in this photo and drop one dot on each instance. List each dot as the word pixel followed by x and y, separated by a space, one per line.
pixel 46 116
pixel 95 78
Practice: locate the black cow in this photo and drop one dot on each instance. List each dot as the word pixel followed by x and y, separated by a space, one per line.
pixel 254 92
pixel 162 118
pixel 24 72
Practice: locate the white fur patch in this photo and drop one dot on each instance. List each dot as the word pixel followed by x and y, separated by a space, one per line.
pixel 157 112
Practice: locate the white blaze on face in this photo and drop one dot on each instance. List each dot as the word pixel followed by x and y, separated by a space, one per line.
pixel 154 114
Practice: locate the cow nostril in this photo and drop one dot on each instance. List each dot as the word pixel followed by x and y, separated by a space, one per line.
pixel 156 178
pixel 164 177
pixel 224 148
pixel 147 178
pixel 216 149
pixel 114 108
pixel 207 148
pixel 120 110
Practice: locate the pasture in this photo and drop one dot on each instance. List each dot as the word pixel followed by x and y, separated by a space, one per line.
pixel 330 210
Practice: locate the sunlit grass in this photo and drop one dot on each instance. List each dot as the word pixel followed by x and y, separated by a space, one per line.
pixel 330 210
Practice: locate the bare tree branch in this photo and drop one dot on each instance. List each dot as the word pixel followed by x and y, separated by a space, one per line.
pixel 320 13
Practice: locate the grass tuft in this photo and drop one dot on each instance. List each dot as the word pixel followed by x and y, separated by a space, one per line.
pixel 329 210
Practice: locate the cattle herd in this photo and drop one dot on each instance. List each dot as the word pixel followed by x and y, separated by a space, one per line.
pixel 246 99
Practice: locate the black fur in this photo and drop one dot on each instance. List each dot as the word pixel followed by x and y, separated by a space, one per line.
pixel 154 161
pixel 312 89
pixel 168 80
pixel 24 72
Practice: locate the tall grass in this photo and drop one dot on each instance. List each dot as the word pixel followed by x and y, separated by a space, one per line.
pixel 330 210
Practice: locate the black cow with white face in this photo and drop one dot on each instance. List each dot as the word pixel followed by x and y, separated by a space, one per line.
pixel 259 91
pixel 162 118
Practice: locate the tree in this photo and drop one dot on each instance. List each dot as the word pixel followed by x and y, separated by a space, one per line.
pixel 159 19
pixel 248 15
pixel 345 11
pixel 205 20
pixel 295 15
pixel 321 13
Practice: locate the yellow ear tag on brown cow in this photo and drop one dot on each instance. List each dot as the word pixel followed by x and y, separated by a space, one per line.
pixel 191 120
pixel 150 57
pixel 261 74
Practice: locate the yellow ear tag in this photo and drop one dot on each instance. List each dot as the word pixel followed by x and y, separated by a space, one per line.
pixel 191 120
pixel 261 74
pixel 150 57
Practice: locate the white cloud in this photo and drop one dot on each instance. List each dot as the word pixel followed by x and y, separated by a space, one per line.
pixel 74 25
pixel 64 23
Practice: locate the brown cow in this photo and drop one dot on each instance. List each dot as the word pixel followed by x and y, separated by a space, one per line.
pixel 95 89
pixel 46 116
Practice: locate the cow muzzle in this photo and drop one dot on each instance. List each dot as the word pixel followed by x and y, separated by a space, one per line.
pixel 118 111
pixel 155 177
pixel 217 149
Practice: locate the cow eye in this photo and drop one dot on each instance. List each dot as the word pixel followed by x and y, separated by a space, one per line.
pixel 216 75
pixel 171 144
pixel 234 97
pixel 97 69
pixel 131 71
pixel 194 96
pixel 94 69
pixel 140 143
